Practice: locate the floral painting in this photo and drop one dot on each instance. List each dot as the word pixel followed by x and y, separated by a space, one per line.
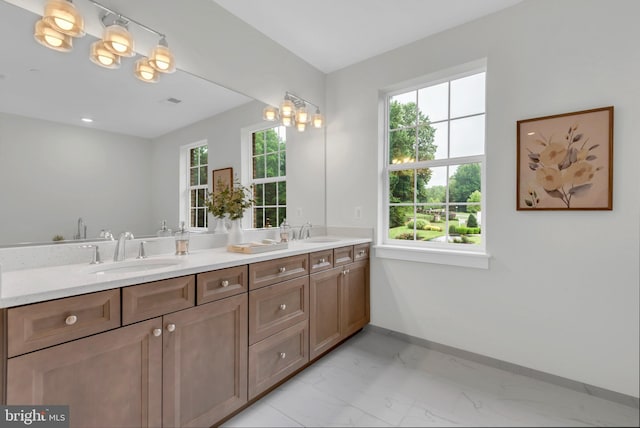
pixel 565 161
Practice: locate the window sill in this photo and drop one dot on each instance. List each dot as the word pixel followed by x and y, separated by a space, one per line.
pixel 428 255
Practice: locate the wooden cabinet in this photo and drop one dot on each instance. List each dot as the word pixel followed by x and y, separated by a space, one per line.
pixel 221 283
pixel 110 379
pixel 339 303
pixel 145 301
pixel 204 363
pixel 270 272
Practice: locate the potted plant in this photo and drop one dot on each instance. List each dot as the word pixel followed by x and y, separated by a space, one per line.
pixel 232 201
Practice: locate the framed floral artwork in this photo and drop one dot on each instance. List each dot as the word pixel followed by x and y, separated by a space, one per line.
pixel 225 176
pixel 565 161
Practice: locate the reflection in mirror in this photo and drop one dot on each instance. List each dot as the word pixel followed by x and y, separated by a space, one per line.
pixel 59 175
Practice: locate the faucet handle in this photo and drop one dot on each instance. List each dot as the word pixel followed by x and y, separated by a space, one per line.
pixel 95 259
pixel 141 252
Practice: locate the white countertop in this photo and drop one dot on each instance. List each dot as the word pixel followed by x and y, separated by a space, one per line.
pixel 39 284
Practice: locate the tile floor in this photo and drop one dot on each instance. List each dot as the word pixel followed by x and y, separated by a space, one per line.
pixel 374 380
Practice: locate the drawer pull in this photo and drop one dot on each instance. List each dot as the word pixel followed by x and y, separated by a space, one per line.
pixel 282 269
pixel 346 271
pixel 171 328
pixel 283 355
pixel 362 252
pixel 157 332
pixel 71 320
pixel 283 307
pixel 224 283
pixel 323 260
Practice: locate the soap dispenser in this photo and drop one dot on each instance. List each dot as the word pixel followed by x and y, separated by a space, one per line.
pixel 164 231
pixel 182 241
pixel 285 231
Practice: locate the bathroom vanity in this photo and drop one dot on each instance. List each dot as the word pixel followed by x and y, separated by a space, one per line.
pixel 186 344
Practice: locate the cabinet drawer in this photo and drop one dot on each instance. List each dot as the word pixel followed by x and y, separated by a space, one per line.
pixel 50 323
pixel 321 260
pixel 360 252
pixel 276 307
pixel 141 302
pixel 270 272
pixel 222 283
pixel 342 255
pixel 276 357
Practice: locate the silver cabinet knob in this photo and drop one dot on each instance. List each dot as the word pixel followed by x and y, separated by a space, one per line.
pixel 283 307
pixel 362 252
pixel 282 269
pixel 323 260
pixel 71 320
pixel 157 332
pixel 224 283
pixel 171 328
pixel 283 355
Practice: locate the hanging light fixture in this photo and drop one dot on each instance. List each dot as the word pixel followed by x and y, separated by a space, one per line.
pixel 116 36
pixel 287 121
pixel 317 120
pixel 161 57
pixel 102 56
pixel 270 113
pixel 302 115
pixel 63 17
pixel 301 126
pixel 287 107
pixel 47 36
pixel 145 72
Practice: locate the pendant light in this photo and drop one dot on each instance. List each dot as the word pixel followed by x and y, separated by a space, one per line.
pixel 317 120
pixel 117 38
pixel 145 72
pixel 63 17
pixel 161 58
pixel 302 115
pixel 287 121
pixel 301 126
pixel 47 36
pixel 102 56
pixel 287 107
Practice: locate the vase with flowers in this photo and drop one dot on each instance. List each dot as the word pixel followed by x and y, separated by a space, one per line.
pixel 232 201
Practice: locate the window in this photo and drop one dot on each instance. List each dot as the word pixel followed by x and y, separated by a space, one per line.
pixel 195 161
pixel 269 179
pixel 434 164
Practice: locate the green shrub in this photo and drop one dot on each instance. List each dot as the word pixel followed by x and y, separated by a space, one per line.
pixel 472 221
pixel 452 228
pixel 397 216
pixel 462 240
pixel 407 236
pixel 432 228
pixel 420 224
pixel 461 230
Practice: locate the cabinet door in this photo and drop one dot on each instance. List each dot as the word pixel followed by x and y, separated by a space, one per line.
pixel 110 379
pixel 325 308
pixel 205 362
pixel 355 294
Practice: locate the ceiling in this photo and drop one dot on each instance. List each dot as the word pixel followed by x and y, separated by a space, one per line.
pixel 333 34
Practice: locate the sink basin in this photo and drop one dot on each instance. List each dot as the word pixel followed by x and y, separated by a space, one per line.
pixel 140 265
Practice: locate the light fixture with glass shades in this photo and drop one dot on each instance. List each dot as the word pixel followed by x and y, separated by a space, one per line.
pixel 294 112
pixel 61 22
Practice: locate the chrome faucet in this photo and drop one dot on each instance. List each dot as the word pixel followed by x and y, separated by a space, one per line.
pixel 305 231
pixel 82 230
pixel 119 253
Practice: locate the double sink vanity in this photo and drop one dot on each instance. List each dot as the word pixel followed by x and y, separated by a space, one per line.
pixel 177 341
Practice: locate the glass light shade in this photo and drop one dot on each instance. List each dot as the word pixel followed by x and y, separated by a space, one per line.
pixel 145 72
pixel 287 121
pixel 287 108
pixel 270 113
pixel 51 38
pixel 102 56
pixel 63 16
pixel 302 115
pixel 118 40
pixel 301 126
pixel 162 59
pixel 317 120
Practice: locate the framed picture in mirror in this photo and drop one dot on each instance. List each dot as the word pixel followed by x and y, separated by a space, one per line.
pixel 225 176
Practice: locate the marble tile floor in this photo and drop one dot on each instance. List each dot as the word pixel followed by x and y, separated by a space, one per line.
pixel 375 380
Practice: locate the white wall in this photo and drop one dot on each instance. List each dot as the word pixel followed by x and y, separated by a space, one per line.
pixel 51 174
pixel 561 294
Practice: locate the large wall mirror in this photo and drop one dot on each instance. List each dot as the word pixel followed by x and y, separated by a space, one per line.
pixel 120 172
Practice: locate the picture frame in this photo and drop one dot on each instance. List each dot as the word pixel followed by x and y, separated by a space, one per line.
pixel 565 161
pixel 225 175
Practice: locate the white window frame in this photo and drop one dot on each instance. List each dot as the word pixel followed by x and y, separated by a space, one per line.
pixel 247 161
pixel 185 187
pixel 420 251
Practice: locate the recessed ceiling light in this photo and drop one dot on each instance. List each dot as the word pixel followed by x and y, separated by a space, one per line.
pixel 87 119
